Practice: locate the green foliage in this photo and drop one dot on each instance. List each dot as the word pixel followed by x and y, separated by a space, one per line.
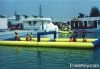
pixel 94 12
pixel 1 16
pixel 81 15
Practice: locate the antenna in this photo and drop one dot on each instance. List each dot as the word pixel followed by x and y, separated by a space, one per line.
pixel 17 17
pixel 15 13
pixel 40 11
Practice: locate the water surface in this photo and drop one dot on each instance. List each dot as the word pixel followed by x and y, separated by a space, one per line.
pixel 47 58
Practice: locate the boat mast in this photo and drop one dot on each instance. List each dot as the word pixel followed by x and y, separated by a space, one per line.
pixel 40 11
pixel 40 15
pixel 15 14
pixel 17 17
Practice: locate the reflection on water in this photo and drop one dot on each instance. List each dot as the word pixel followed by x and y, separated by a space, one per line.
pixel 44 58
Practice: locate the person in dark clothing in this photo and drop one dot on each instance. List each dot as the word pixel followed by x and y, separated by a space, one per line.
pixel 27 37
pixel 71 39
pixel 17 37
pixel 84 36
pixel 73 36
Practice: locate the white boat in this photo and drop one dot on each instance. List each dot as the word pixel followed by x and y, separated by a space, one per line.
pixel 44 24
pixel 33 23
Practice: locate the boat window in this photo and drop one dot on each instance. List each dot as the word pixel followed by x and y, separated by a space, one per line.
pixel 34 22
pixel 73 24
pixel 85 21
pixel 98 22
pixel 95 24
pixel 29 22
pixel 76 24
pixel 90 23
pixel 85 24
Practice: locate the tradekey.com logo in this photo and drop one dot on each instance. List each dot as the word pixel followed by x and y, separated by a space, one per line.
pixel 71 65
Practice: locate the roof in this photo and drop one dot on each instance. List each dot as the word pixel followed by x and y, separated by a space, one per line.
pixel 85 19
pixel 16 22
pixel 37 19
pixel 89 18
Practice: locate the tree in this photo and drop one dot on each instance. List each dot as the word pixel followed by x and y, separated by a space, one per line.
pixel 1 16
pixel 81 15
pixel 94 12
pixel 25 16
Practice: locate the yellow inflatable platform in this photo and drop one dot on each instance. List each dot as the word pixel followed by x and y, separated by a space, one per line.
pixel 64 32
pixel 60 39
pixel 59 43
pixel 48 44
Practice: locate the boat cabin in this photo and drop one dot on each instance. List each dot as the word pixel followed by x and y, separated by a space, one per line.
pixel 85 23
pixel 39 24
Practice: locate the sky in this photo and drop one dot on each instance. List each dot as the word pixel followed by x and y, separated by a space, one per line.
pixel 59 10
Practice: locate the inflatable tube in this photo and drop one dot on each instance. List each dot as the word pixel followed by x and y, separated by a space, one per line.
pixel 97 43
pixel 60 39
pixel 64 32
pixel 77 40
pixel 48 44
pixel 67 32
pixel 35 39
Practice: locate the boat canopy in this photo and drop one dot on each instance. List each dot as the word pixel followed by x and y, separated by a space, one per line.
pixel 37 19
pixel 17 22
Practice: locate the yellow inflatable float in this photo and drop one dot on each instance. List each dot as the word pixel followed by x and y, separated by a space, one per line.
pixel 59 43
pixel 60 39
pixel 64 32
pixel 48 44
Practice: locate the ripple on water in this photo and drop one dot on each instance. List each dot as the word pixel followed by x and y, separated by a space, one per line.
pixel 44 58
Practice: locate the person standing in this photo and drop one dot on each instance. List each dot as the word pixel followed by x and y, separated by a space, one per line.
pixel 71 36
pixel 84 36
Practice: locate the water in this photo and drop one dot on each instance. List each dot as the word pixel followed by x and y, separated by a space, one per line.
pixel 47 58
